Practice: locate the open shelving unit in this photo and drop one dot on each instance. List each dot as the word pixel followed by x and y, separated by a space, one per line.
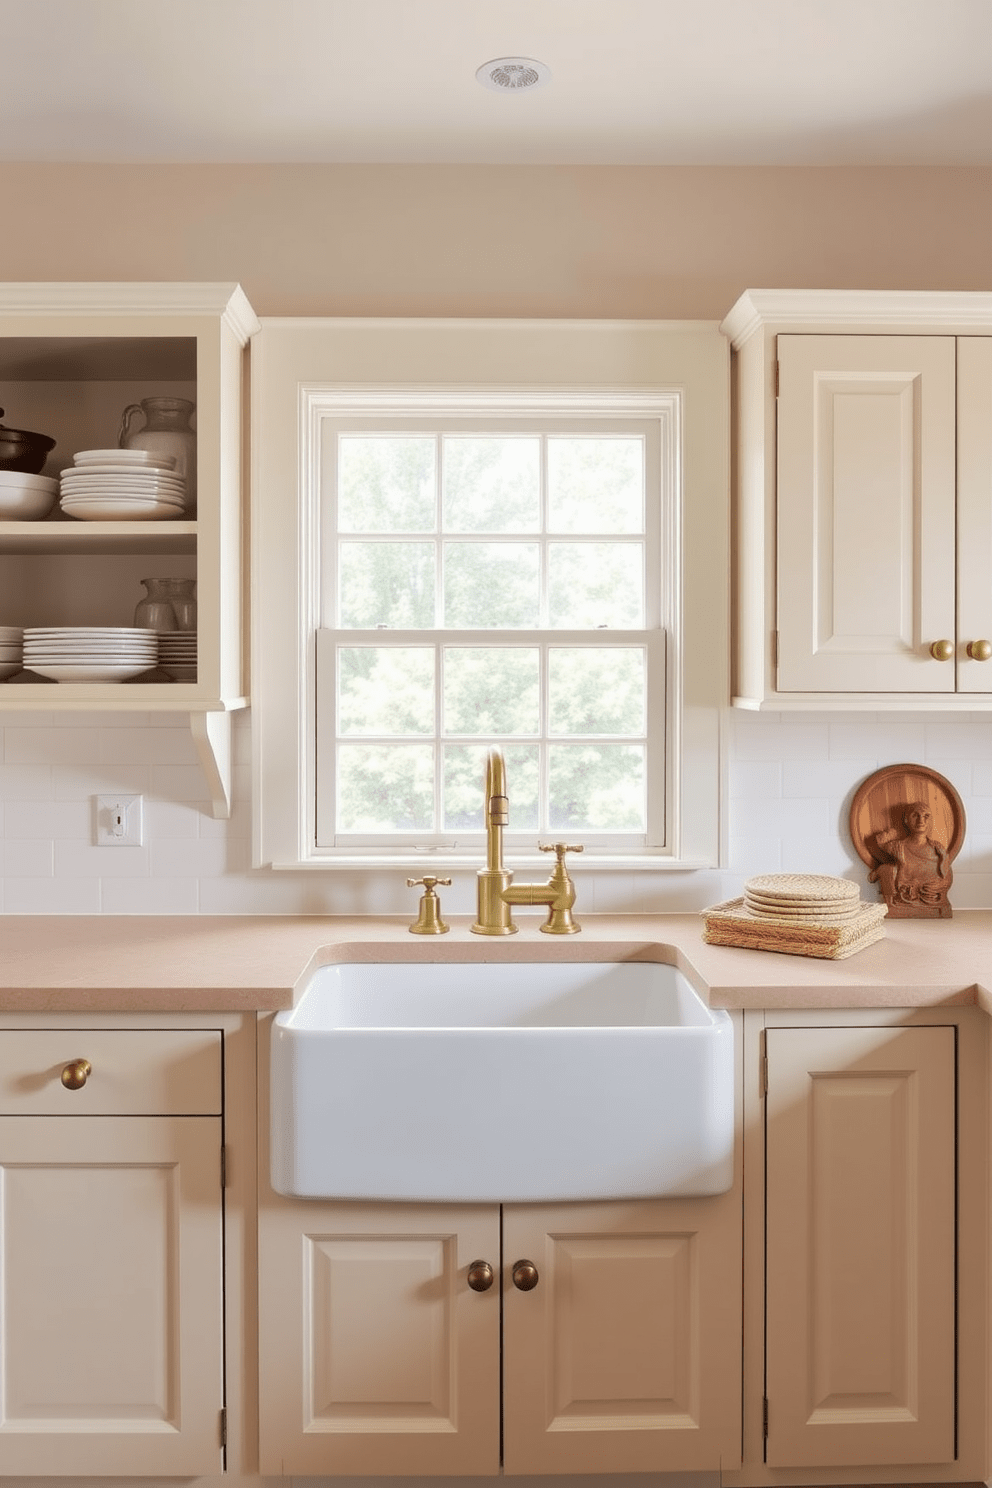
pixel 72 357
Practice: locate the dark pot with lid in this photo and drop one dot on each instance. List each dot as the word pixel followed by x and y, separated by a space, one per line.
pixel 22 450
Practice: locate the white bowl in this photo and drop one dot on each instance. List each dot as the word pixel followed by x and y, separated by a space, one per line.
pixel 23 502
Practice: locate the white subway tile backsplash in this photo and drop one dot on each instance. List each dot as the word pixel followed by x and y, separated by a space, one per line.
pixel 82 860
pixel 790 780
pixel 26 859
pixel 51 896
pixel 52 746
pixel 148 896
pixel 53 820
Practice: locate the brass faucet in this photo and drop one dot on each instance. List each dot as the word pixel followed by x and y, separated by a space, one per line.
pixel 496 890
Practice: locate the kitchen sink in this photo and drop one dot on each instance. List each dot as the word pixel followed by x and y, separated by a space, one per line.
pixel 499 1082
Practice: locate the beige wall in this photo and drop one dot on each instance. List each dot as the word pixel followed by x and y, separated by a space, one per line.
pixel 595 241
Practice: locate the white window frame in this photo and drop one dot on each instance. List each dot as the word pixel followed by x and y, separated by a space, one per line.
pixel 678 373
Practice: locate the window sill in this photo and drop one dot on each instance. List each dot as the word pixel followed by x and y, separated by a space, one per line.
pixel 537 863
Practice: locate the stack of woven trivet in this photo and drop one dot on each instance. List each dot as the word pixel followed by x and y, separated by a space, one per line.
pixel 801 914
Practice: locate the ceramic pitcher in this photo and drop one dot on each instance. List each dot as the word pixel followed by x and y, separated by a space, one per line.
pixel 166 430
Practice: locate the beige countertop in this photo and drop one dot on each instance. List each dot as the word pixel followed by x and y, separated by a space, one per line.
pixel 125 963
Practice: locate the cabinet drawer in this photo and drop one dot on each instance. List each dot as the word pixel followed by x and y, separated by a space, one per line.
pixel 133 1072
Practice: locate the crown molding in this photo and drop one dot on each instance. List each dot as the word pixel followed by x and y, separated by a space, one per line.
pixel 228 301
pixel 952 311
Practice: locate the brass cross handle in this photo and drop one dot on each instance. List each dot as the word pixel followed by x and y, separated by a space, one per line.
pixel 560 848
pixel 429 921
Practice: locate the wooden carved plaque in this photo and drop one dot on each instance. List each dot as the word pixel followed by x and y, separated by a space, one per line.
pixel 907 824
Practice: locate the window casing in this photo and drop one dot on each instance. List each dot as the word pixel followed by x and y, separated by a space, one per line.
pixel 304 402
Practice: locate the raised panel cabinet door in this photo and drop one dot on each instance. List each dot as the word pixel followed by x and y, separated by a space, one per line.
pixel 625 1356
pixel 865 513
pixel 974 660
pixel 111 1296
pixel 860 1299
pixel 376 1355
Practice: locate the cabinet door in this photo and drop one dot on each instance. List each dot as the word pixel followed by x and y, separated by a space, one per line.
pixel 626 1355
pixel 866 502
pixel 974 510
pixel 860 1246
pixel 375 1355
pixel 111 1300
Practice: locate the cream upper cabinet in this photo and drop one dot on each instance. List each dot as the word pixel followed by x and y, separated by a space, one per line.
pixel 863 508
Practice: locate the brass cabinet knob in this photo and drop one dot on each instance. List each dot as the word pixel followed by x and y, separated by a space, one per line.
pixel 480 1276
pixel 980 650
pixel 76 1073
pixel 942 650
pixel 525 1276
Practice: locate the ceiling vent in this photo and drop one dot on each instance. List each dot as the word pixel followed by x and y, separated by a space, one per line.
pixel 513 74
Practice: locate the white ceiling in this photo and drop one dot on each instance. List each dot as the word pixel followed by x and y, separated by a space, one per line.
pixel 723 82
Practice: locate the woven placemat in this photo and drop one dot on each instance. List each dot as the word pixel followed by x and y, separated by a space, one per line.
pixel 808 887
pixel 733 924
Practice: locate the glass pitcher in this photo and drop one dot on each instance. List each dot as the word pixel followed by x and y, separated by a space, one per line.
pixel 167 431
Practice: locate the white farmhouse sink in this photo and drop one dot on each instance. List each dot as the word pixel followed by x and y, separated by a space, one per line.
pixel 501 1082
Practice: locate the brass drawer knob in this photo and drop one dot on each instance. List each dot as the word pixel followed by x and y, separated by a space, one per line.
pixel 942 650
pixel 980 650
pixel 525 1276
pixel 76 1073
pixel 480 1276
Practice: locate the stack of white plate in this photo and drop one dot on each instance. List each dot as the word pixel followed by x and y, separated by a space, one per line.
pixel 11 650
pixel 122 485
pixel 89 653
pixel 796 898
pixel 177 654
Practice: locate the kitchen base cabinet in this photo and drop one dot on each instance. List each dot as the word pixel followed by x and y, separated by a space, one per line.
pixel 866 1224
pixel 625 1357
pixel 620 1347
pixel 111 1251
pixel 860 1246
pixel 112 1329
pixel 375 1354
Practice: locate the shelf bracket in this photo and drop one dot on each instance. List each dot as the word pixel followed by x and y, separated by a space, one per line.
pixel 212 737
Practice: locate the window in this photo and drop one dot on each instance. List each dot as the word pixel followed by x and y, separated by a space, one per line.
pixel 491 585
pixel 462 566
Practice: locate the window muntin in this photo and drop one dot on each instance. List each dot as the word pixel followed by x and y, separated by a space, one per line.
pixel 530 561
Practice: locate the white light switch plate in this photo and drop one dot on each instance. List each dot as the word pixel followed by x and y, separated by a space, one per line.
pixel 118 821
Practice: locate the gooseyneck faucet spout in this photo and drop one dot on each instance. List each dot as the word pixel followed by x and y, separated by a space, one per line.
pixel 496 891
pixel 493 916
pixel 497 809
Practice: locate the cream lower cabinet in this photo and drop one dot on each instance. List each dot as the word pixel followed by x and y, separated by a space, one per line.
pixel 111 1297
pixel 377 1356
pixel 861 1247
